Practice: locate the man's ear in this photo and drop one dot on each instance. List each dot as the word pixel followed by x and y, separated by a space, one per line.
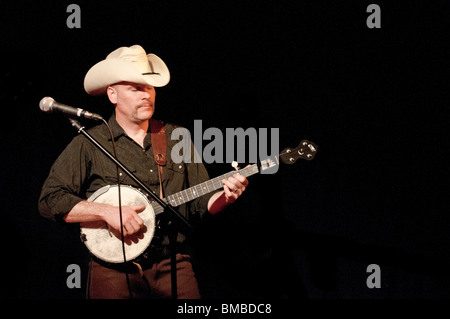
pixel 112 94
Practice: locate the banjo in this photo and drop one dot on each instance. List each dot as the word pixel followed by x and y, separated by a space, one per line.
pixel 107 246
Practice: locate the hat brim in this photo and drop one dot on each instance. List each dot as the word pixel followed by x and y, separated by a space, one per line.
pixel 113 70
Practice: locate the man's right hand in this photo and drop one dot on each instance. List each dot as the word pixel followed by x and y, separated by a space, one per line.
pixel 131 221
pixel 85 211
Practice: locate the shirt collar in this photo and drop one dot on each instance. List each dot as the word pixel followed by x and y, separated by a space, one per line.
pixel 117 130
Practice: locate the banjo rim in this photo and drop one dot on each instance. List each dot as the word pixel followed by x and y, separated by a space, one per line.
pixel 130 256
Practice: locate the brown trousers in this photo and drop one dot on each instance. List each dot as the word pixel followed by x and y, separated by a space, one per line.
pixel 153 283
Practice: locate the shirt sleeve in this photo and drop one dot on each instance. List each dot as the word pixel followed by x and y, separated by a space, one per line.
pixel 62 189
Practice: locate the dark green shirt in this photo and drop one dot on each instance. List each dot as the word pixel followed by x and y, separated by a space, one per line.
pixel 81 169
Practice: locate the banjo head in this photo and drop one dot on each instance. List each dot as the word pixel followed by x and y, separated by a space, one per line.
pixel 105 244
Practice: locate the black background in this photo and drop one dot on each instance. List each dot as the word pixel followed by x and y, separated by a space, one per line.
pixel 376 101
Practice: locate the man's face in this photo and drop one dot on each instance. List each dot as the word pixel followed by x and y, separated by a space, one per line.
pixel 134 102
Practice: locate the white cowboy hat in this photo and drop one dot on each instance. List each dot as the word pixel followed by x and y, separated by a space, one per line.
pixel 129 64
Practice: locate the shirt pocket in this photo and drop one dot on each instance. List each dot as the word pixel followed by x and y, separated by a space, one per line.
pixel 176 168
pixel 174 177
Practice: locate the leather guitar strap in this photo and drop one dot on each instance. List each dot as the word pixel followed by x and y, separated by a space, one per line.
pixel 159 143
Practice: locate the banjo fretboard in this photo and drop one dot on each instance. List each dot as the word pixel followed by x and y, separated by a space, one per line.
pixel 201 189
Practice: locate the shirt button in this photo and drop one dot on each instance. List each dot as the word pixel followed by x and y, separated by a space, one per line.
pixel 151 171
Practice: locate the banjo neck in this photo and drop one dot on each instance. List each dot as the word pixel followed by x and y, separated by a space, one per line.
pixel 201 189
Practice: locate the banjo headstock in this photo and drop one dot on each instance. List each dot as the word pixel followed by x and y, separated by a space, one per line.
pixel 305 150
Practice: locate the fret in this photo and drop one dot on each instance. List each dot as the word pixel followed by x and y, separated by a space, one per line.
pixel 200 190
pixel 170 200
pixel 175 199
pixel 157 208
pixel 194 192
pixel 207 186
pixel 187 193
pixel 218 183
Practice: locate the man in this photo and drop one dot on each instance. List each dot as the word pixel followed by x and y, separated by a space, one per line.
pixel 128 76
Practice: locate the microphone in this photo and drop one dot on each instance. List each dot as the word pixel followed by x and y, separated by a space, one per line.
pixel 48 104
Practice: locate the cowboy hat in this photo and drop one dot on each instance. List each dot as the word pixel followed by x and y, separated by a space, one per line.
pixel 130 64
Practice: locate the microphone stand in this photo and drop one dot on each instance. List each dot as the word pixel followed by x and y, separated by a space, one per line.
pixel 175 216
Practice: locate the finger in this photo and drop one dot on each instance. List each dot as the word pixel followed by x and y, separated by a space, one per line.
pixel 135 215
pixel 242 179
pixel 232 187
pixel 236 186
pixel 226 188
pixel 138 208
pixel 132 227
pixel 124 231
pixel 229 195
pixel 140 222
pixel 240 188
pixel 235 181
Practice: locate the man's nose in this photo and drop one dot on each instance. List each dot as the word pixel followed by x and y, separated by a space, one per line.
pixel 147 94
